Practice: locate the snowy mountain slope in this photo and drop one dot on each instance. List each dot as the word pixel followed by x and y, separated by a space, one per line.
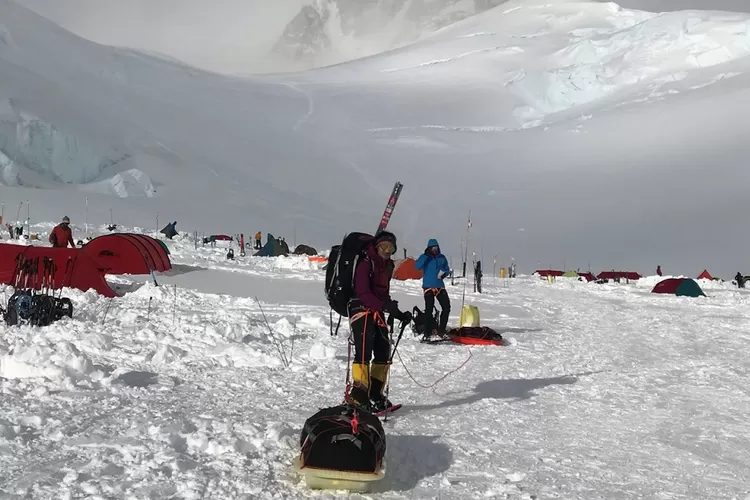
pixel 606 391
pixel 673 5
pixel 572 130
pixel 332 31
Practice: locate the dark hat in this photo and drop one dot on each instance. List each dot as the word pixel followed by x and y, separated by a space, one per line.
pixel 386 236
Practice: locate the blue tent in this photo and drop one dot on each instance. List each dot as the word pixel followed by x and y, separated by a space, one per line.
pixel 273 248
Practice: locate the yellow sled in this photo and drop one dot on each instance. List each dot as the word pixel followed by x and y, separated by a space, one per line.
pixel 332 479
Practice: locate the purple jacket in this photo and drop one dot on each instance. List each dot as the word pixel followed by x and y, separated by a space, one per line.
pixel 372 280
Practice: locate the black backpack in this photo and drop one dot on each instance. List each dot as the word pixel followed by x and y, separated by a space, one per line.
pixel 342 261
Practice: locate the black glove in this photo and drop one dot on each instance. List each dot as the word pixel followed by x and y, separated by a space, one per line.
pixel 405 317
pixel 391 307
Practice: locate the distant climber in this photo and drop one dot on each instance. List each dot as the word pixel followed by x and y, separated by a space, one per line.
pixel 740 280
pixel 62 236
pixel 658 270
pixel 434 267
pixel 258 244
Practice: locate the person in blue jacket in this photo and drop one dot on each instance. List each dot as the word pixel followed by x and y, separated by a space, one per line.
pixel 434 267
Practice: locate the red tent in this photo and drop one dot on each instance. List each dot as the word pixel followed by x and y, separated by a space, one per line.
pixel 124 253
pixel 407 270
pixel 613 275
pixel 588 276
pixel 705 275
pixel 73 268
pixel 548 272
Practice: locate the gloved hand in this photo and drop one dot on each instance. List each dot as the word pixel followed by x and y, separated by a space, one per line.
pixel 391 307
pixel 404 316
pixel 444 274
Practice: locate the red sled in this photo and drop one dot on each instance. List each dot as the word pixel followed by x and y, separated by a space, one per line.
pixel 472 341
pixel 477 335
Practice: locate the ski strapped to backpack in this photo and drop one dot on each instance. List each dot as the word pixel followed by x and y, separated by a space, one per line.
pixel 343 259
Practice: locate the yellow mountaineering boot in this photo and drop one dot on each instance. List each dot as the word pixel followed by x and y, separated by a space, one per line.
pixel 379 377
pixel 358 395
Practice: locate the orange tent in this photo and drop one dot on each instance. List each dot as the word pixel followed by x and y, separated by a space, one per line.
pixel 705 275
pixel 407 270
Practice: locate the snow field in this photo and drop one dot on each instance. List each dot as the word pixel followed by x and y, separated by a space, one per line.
pixel 192 398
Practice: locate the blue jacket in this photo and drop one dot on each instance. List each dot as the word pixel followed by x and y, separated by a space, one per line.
pixel 431 266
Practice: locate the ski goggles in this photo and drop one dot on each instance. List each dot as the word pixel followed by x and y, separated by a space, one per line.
pixel 386 247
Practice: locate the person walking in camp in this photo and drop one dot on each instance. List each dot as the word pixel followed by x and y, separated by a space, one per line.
pixel 369 330
pixel 258 246
pixel 61 236
pixel 740 280
pixel 658 270
pixel 434 267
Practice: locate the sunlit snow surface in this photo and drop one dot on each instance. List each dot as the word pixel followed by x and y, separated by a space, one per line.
pixel 606 391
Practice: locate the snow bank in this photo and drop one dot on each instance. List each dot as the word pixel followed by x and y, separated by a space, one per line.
pixel 57 361
pixel 130 183
pixel 631 48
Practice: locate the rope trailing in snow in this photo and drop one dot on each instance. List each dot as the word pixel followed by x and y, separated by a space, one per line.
pixel 446 375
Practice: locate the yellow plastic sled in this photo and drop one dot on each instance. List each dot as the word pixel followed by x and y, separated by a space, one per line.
pixel 469 317
pixel 332 479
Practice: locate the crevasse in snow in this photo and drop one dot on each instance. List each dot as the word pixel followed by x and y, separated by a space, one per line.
pixel 47 149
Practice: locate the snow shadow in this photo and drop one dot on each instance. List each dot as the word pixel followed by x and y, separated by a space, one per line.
pixel 501 389
pixel 141 379
pixel 509 329
pixel 178 269
pixel 409 459
pixel 138 379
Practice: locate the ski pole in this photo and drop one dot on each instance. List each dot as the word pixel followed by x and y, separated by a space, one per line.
pixel 390 363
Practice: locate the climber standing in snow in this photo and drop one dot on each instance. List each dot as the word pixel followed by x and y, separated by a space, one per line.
pixel 61 235
pixel 370 337
pixel 434 267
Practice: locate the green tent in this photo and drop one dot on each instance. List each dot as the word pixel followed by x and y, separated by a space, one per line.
pixel 570 274
pixel 679 286
pixel 164 246
pixel 273 248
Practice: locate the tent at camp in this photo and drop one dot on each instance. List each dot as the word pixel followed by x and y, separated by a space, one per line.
pixel 548 272
pixel 619 275
pixel 705 275
pixel 588 276
pixel 273 248
pixel 679 286
pixel 73 268
pixel 125 253
pixel 406 269
pixel 570 274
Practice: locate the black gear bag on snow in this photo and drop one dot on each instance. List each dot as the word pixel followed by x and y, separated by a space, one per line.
pixel 342 261
pixel 344 439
